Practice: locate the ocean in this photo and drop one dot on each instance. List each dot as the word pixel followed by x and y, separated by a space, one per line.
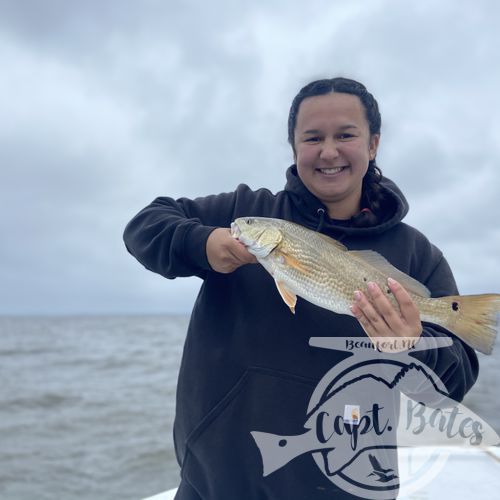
pixel 87 405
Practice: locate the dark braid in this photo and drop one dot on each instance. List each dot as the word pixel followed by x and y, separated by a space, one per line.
pixel 373 196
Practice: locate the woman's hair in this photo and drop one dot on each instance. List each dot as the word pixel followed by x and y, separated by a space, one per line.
pixel 373 195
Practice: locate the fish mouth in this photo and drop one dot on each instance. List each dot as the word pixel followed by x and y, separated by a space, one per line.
pixel 237 234
pixel 235 231
pixel 331 170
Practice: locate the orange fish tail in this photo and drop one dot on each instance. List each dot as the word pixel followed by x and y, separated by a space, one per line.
pixel 473 318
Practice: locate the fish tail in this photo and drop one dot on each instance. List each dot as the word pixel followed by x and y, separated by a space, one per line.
pixel 276 451
pixel 473 318
pixel 273 452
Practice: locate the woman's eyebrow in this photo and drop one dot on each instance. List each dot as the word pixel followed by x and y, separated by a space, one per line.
pixel 343 127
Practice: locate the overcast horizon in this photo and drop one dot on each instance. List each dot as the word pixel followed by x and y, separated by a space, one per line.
pixel 108 105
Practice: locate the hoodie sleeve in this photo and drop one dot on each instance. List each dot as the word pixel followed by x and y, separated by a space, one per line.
pixel 457 366
pixel 169 236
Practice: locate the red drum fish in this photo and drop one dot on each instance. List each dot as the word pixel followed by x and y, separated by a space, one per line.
pixel 324 272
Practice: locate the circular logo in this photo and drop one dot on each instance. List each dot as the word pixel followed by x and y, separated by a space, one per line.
pixel 375 426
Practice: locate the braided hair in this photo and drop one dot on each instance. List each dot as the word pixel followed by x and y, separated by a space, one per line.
pixel 373 196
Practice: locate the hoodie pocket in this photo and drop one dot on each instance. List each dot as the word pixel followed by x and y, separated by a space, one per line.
pixel 223 461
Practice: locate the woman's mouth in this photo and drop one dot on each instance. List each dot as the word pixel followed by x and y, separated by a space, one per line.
pixel 331 171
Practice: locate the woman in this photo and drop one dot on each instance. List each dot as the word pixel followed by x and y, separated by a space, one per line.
pixel 247 364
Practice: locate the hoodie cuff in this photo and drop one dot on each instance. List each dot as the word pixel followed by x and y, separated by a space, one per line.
pixel 428 356
pixel 195 245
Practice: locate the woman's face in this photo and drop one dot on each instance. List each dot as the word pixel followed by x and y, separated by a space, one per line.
pixel 332 149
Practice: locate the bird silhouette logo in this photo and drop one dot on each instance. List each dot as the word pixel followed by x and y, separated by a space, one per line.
pixel 384 475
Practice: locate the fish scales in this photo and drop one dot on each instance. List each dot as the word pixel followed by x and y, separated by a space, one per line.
pixel 330 276
pixel 316 278
pixel 324 272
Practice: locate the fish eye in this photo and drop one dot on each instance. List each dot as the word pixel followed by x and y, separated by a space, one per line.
pixel 249 221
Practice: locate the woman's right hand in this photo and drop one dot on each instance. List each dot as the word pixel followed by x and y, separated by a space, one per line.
pixel 224 253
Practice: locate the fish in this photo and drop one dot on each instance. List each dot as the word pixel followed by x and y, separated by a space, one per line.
pixel 324 272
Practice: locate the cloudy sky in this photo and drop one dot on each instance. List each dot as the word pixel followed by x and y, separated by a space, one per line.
pixel 107 104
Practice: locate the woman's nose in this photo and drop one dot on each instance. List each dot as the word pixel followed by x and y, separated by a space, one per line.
pixel 329 150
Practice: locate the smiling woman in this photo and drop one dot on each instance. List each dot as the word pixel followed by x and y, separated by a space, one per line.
pixel 247 364
pixel 333 147
pixel 337 132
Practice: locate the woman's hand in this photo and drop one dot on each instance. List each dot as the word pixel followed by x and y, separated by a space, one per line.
pixel 380 319
pixel 224 253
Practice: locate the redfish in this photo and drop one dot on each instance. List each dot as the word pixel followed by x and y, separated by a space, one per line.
pixel 324 272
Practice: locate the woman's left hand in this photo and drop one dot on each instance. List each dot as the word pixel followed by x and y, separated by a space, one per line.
pixel 380 319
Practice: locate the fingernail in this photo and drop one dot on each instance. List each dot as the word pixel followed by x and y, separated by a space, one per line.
pixel 392 282
pixel 372 286
pixel 357 295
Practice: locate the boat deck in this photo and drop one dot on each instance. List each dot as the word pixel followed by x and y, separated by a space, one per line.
pixel 466 473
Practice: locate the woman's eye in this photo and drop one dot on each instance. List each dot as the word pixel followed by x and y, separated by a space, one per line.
pixel 345 136
pixel 312 139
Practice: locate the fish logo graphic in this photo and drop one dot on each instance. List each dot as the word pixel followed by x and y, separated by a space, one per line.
pixel 340 446
pixel 353 424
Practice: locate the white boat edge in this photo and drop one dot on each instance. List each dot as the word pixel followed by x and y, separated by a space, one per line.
pixel 166 495
pixel 491 453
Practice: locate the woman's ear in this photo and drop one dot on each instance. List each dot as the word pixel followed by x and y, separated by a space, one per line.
pixel 374 141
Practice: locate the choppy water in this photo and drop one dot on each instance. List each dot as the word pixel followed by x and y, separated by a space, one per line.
pixel 87 404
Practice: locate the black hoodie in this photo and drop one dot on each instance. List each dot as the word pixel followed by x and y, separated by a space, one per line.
pixel 247 364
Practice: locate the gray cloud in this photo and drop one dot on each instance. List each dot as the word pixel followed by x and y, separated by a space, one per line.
pixel 109 104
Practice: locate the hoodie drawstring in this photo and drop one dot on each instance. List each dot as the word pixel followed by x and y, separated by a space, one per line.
pixel 321 223
pixel 321 212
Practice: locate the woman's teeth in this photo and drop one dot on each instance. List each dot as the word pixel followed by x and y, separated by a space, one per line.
pixel 331 170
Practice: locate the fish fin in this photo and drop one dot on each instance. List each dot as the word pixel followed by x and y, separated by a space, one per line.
pixel 288 297
pixel 474 319
pixel 292 261
pixel 380 263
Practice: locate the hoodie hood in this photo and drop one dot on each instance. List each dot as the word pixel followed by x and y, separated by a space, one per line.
pixel 315 213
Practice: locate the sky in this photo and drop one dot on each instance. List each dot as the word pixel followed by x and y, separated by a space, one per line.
pixel 106 105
